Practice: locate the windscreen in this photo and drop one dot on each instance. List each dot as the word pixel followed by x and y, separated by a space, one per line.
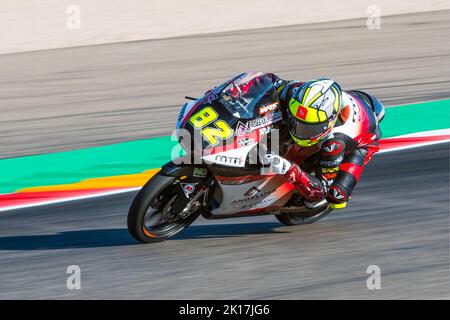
pixel 243 94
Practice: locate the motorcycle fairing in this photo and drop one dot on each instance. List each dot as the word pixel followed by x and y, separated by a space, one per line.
pixel 250 120
pixel 263 108
pixel 269 192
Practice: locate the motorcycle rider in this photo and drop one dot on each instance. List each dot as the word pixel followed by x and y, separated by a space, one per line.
pixel 340 129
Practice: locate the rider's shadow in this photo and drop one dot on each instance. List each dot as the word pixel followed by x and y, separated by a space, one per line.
pixel 228 230
pixel 120 237
pixel 69 240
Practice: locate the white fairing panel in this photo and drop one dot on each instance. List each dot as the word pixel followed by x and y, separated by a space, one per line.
pixel 266 192
pixel 349 127
pixel 230 158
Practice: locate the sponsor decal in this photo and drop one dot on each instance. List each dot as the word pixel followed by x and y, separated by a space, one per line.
pixel 260 204
pixel 244 142
pixel 188 188
pixel 268 119
pixel 330 176
pixel 331 163
pixel 258 123
pixel 267 200
pixel 227 160
pixel 200 172
pixel 251 201
pixel 330 170
pixel 242 129
pixel 267 108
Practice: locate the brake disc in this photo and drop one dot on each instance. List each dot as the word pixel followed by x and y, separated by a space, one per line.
pixel 169 213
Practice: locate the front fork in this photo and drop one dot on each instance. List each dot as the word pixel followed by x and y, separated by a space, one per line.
pixel 196 184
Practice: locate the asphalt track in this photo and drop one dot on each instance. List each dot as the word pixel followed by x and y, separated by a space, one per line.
pixel 88 96
pixel 398 219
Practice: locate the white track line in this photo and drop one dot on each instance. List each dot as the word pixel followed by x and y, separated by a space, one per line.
pixel 412 146
pixel 430 133
pixel 96 195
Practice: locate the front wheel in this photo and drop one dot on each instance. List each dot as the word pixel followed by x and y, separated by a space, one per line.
pixel 159 210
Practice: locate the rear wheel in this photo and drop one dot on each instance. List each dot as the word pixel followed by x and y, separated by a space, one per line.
pixel 161 210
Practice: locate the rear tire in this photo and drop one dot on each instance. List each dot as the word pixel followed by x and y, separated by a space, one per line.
pixel 157 187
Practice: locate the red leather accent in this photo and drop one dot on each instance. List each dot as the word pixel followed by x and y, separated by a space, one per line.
pixel 371 150
pixel 330 176
pixel 302 112
pixel 293 174
pixel 309 189
pixel 353 169
pixel 332 147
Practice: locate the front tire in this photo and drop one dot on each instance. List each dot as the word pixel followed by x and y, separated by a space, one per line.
pixel 154 213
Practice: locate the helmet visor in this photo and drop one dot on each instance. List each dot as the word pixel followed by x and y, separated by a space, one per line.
pixel 305 131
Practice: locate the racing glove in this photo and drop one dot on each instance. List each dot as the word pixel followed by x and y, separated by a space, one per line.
pixel 307 185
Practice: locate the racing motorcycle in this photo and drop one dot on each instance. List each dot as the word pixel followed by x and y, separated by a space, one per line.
pixel 221 174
